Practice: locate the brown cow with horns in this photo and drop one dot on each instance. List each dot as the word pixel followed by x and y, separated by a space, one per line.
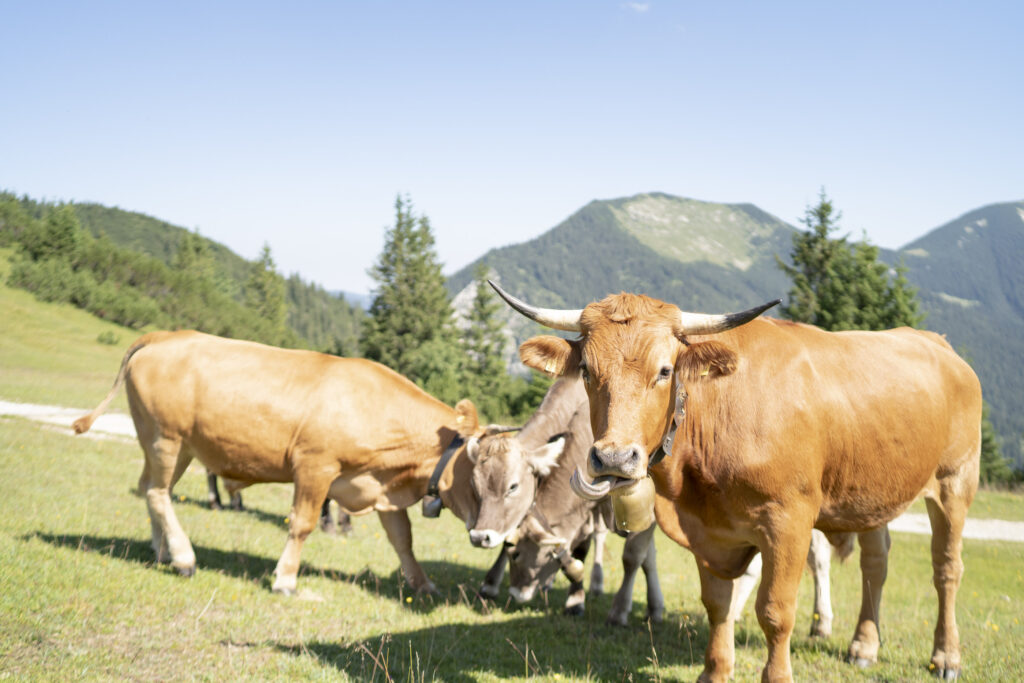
pixel 775 428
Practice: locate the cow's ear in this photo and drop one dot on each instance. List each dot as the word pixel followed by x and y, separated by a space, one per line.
pixel 551 355
pixel 466 421
pixel 708 360
pixel 544 458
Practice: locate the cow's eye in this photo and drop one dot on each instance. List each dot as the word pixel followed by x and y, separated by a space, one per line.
pixel 584 372
pixel 665 373
pixel 513 487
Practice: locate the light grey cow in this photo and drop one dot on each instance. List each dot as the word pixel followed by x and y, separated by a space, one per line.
pixel 522 483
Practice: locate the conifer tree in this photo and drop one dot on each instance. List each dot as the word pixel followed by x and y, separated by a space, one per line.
pixel 842 286
pixel 410 327
pixel 993 467
pixel 265 297
pixel 485 374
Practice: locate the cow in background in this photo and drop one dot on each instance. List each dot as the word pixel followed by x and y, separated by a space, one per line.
pixel 350 429
pixel 772 429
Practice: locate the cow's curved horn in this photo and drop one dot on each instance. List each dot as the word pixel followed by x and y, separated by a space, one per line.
pixel 559 319
pixel 702 323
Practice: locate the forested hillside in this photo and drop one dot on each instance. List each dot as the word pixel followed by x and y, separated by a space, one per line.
pixel 717 257
pixel 139 271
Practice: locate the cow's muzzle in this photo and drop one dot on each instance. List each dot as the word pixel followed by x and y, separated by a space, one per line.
pixel 486 538
pixel 627 462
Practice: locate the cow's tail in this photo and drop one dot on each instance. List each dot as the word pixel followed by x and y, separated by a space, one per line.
pixel 83 424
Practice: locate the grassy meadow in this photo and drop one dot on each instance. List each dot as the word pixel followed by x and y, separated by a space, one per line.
pixel 80 596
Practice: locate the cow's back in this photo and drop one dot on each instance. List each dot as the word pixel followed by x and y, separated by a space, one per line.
pixel 249 410
pixel 862 419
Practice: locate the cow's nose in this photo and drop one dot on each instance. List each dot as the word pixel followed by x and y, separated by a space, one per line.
pixel 623 462
pixel 486 538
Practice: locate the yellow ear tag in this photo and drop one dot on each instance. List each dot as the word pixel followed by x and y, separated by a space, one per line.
pixel 706 371
pixel 549 367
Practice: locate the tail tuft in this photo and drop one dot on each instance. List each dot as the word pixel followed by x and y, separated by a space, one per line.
pixel 82 424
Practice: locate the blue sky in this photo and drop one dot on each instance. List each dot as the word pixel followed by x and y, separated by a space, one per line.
pixel 296 124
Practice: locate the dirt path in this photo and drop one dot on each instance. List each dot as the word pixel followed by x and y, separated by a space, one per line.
pixel 119 425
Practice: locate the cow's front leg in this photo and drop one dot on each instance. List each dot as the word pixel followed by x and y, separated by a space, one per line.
pixel 597 569
pixel 399 531
pixel 874 562
pixel 309 493
pixel 492 582
pixel 655 599
pixel 783 558
pixel 576 600
pixel 719 658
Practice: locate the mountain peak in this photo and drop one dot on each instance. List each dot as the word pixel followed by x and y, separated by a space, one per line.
pixel 690 230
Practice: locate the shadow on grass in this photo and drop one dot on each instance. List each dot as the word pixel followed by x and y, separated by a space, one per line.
pixel 538 644
pixel 456 583
pixel 275 520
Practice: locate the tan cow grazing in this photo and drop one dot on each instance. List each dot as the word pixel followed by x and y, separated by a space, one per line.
pixel 350 429
pixel 775 428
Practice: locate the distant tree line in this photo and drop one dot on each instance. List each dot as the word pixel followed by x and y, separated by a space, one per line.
pixel 58 260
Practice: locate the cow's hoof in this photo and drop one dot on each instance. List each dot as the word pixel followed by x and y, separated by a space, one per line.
pixel 819 630
pixel 861 662
pixel 617 620
pixel 574 611
pixel 281 590
pixel 945 674
pixel 487 592
pixel 188 572
pixel 656 616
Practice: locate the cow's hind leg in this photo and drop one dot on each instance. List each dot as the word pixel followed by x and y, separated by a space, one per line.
pixel 874 563
pixel 819 561
pixel 399 531
pixel 165 464
pixel 309 495
pixel 213 492
pixel 327 524
pixel 743 586
pixel 947 518
pixel 491 586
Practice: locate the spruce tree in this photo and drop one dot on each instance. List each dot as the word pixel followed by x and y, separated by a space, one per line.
pixel 485 374
pixel 410 327
pixel 838 285
pixel 265 297
pixel 993 467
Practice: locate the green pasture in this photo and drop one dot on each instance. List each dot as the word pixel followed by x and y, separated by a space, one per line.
pixel 80 597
